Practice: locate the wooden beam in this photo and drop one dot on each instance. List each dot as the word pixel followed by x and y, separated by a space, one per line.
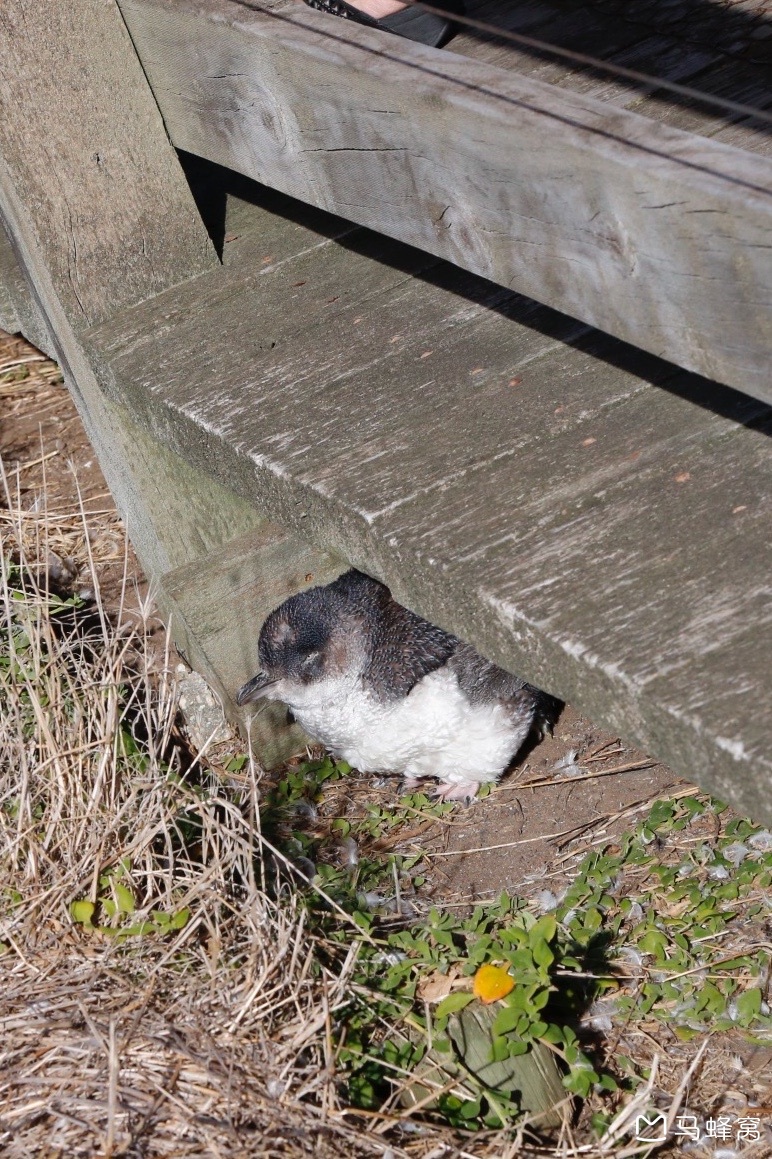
pixel 9 274
pixel 652 234
pixel 19 313
pixel 101 217
pixel 87 164
pixel 556 498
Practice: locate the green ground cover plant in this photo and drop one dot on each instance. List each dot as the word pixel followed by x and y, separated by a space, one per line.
pixel 638 934
pixel 192 951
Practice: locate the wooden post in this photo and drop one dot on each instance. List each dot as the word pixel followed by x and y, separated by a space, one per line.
pixel 99 217
pixel 19 313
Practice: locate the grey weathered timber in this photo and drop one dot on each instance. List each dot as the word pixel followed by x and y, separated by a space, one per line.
pixel 101 217
pixel 84 148
pixel 19 313
pixel 534 486
pixel 652 234
pixel 10 287
pixel 216 606
pixel 560 500
pixel 96 207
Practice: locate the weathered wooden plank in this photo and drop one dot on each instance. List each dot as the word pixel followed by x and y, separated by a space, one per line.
pixel 735 80
pixel 652 234
pixel 733 24
pixel 102 217
pixel 719 51
pixel 19 313
pixel 578 27
pixel 9 274
pixel 315 274
pixel 114 218
pixel 78 201
pixel 522 483
pixel 639 551
pixel 217 621
pixel 744 135
pixel 659 56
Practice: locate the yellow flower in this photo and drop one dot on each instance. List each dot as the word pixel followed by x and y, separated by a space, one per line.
pixel 492 983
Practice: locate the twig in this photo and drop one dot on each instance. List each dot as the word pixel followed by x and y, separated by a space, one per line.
pixel 35 462
pixel 634 765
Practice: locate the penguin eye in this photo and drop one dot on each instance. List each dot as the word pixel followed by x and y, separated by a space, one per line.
pixel 308 660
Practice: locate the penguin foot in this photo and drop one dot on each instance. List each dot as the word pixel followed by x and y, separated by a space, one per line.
pixel 451 791
pixel 410 784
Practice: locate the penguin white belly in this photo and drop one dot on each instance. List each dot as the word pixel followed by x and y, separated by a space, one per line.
pixel 433 732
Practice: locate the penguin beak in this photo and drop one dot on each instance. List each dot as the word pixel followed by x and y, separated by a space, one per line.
pixel 258 686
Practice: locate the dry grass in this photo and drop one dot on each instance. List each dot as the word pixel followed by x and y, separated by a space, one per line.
pixel 212 1039
pixel 206 1041
pixel 211 1032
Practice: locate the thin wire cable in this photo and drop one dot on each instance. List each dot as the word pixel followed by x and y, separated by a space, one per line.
pixel 568 116
pixel 429 67
pixel 594 62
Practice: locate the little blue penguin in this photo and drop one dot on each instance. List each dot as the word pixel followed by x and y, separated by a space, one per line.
pixel 388 692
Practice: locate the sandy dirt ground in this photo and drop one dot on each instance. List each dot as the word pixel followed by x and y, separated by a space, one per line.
pixel 579 780
pixel 574 791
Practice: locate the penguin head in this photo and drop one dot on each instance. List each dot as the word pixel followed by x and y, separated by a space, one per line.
pixel 310 638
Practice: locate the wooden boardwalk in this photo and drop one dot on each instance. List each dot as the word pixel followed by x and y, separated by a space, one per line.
pixel 588 514
pixel 543 178
pixel 512 474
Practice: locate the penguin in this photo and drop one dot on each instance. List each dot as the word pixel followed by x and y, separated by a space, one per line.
pixel 389 692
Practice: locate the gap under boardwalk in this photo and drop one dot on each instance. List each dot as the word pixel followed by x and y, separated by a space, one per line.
pixel 588 515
